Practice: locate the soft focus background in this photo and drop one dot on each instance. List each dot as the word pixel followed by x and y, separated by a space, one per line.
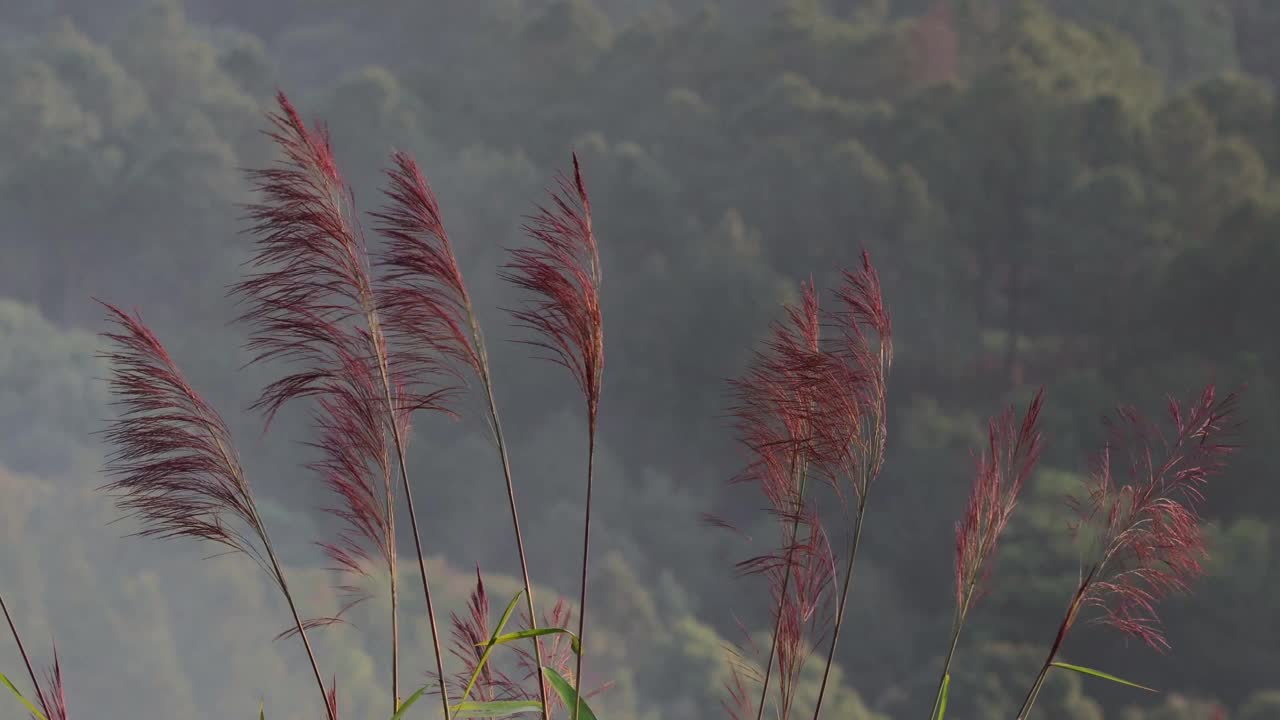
pixel 1078 193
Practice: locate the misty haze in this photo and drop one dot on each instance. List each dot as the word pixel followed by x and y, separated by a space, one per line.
pixel 919 358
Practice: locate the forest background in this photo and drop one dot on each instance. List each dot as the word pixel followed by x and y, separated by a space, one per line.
pixel 1075 193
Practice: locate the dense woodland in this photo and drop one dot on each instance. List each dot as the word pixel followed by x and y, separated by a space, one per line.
pixel 1069 193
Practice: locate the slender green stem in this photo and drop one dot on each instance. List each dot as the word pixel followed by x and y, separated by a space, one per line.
pixel 844 597
pixel 23 652
pixel 962 613
pixel 582 598
pixel 946 668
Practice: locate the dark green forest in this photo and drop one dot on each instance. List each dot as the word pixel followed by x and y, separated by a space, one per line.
pixel 1069 193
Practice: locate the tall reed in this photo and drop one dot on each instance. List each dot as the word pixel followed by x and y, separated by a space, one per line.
pixel 1143 531
pixel 174 466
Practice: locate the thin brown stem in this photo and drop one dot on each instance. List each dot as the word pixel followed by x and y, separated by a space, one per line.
pixel 278 571
pixel 13 629
pixel 515 523
pixel 378 342
pixel 417 546
pixel 393 564
pixel 1067 620
pixel 395 633
pixel 582 598
pixel 261 528
pixel 844 597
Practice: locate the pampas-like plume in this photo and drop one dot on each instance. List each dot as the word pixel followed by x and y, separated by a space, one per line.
pixel 561 271
pixel 470 634
pixel 174 465
pixel 851 419
pixel 426 305
pixel 773 410
pixel 52 696
pixel 1000 477
pixel 1144 531
pixel 311 301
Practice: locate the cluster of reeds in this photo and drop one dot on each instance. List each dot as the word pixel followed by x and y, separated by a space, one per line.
pixel 811 415
pixel 371 338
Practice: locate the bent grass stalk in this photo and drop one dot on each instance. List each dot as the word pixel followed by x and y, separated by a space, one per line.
pixel 1002 472
pixel 425 293
pixel 173 464
pixel 853 403
pixel 561 271
pixel 1146 540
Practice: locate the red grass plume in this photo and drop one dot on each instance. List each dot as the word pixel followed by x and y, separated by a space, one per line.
pixel 1002 471
pixel 174 467
pixel 561 271
pixel 52 697
pixel 773 410
pixel 470 634
pixel 422 292
pixel 1145 527
pixel 429 315
pixel 850 380
pixel 311 302
pixel 1013 451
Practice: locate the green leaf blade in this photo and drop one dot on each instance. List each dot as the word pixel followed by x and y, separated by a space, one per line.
pixel 497 708
pixel 1099 674
pixel 13 689
pixel 484 657
pixel 404 706
pixel 567 694
pixel 533 633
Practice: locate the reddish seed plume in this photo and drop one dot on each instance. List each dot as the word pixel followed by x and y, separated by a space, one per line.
pixel 332 699
pixel 803 622
pixel 310 280
pixel 773 405
pixel 470 632
pixel 1002 471
pixel 51 695
pixel 774 409
pixel 851 383
pixel 1145 526
pixel 310 303
pixel 561 271
pixel 422 290
pixel 173 464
